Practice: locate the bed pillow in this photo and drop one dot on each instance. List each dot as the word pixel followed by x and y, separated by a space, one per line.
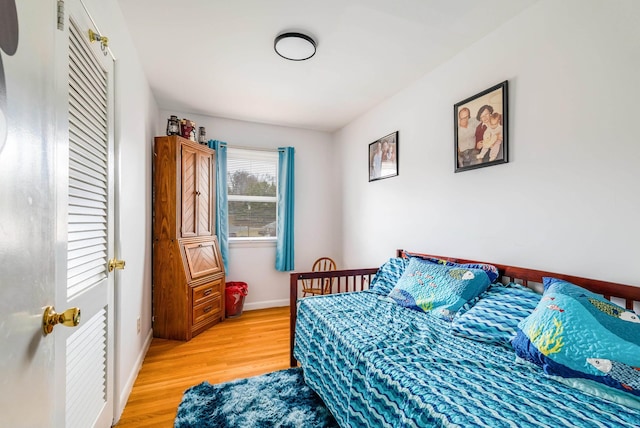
pixel 490 270
pixel 440 290
pixel 575 333
pixel 388 275
pixel 495 317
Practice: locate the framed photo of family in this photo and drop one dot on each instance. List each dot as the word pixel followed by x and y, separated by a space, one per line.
pixel 383 157
pixel 480 131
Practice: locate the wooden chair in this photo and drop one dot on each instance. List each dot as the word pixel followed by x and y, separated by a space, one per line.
pixel 320 285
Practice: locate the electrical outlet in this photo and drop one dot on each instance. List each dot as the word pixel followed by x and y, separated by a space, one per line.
pixel 139 325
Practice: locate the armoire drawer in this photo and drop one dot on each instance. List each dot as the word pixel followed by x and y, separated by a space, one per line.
pixel 204 292
pixel 206 310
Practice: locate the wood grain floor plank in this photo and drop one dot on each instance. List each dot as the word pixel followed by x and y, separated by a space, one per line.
pixel 253 344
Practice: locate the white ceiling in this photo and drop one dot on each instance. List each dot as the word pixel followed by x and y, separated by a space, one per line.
pixel 216 57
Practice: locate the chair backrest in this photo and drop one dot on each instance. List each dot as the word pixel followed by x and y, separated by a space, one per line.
pixel 320 285
pixel 324 264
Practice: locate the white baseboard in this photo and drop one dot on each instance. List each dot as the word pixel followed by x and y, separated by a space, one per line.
pixel 267 304
pixel 126 391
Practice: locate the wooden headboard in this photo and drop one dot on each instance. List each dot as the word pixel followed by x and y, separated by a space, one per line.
pixel 527 277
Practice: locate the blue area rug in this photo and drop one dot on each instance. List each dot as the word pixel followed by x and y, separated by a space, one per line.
pixel 278 399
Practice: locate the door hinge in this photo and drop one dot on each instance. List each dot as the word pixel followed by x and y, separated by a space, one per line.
pixel 61 15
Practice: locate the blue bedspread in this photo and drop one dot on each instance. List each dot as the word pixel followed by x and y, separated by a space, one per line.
pixel 377 364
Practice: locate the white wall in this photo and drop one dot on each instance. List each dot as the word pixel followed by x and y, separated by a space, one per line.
pixel 136 119
pixel 317 209
pixel 567 201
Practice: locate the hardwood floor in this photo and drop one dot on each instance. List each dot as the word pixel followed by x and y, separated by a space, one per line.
pixel 255 343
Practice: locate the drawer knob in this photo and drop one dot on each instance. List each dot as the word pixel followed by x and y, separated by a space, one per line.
pixel 208 291
pixel 208 309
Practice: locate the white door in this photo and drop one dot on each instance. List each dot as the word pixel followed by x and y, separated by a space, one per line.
pixel 27 212
pixel 84 180
pixel 56 198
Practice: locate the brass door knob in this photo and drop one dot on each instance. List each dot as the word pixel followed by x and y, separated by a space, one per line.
pixel 70 318
pixel 115 264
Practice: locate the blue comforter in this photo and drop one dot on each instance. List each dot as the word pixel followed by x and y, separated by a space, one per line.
pixel 377 364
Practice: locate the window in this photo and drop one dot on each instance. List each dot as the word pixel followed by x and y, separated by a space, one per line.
pixel 252 192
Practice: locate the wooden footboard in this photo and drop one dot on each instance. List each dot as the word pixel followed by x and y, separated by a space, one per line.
pixel 340 281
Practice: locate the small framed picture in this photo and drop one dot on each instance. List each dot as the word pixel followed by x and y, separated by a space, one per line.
pixel 480 130
pixel 383 157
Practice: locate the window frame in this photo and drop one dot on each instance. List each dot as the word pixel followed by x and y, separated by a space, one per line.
pixel 232 152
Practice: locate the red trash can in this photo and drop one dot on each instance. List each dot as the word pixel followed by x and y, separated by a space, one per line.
pixel 234 293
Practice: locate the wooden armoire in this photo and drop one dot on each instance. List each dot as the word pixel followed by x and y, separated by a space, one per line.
pixel 188 274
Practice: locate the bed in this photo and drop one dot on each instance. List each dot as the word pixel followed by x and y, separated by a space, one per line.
pixel 377 363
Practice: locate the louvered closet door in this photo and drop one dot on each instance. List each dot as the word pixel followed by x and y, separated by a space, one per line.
pixel 84 354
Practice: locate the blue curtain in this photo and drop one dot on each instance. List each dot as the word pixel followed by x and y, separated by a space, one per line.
pixel 222 214
pixel 286 199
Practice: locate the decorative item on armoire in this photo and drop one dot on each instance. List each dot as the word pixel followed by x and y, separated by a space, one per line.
pixel 202 136
pixel 188 129
pixel 173 125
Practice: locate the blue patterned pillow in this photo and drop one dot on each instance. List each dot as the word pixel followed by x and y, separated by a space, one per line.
pixel 438 289
pixel 388 275
pixel 490 270
pixel 575 333
pixel 495 317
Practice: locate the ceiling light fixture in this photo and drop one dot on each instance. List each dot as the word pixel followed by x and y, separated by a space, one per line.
pixel 295 46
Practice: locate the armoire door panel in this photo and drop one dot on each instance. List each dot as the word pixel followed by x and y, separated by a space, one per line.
pixel 189 192
pixel 206 213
